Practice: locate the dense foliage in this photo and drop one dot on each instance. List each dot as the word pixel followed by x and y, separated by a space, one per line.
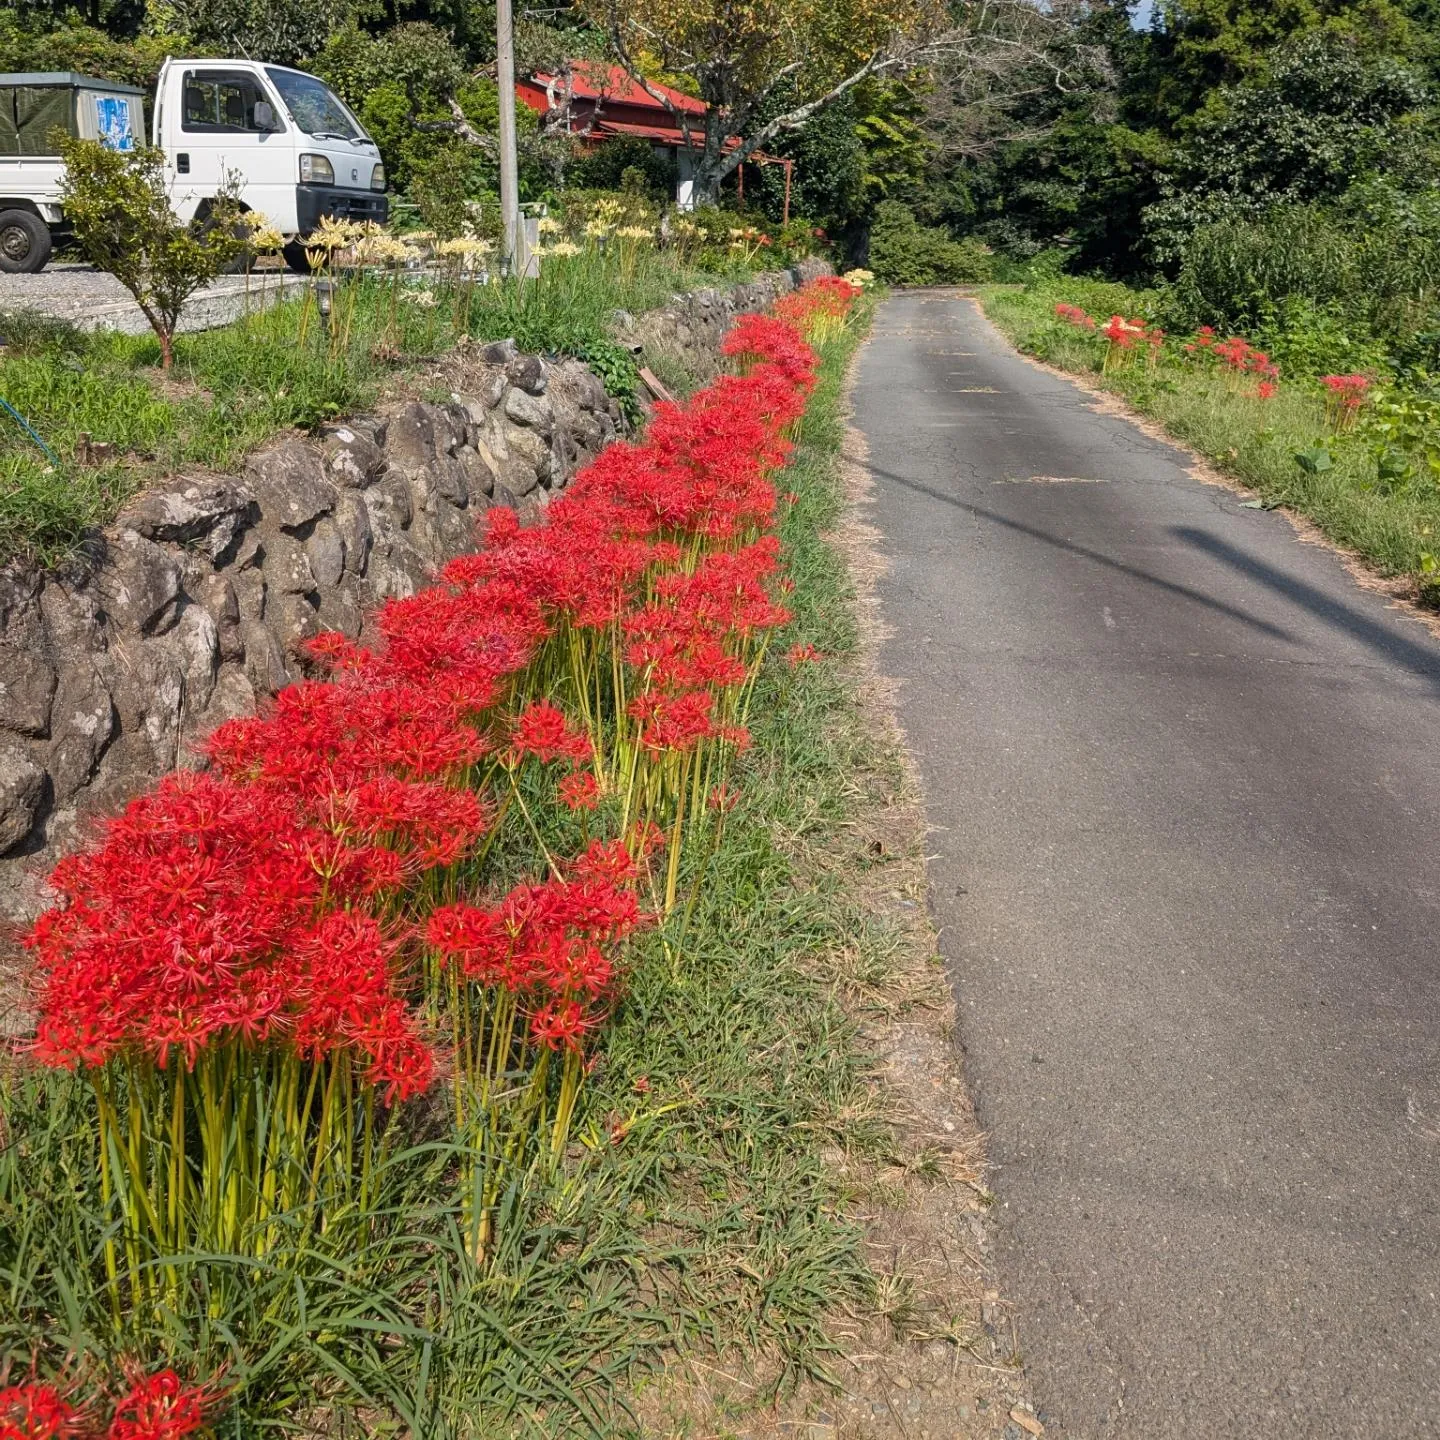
pixel 904 252
pixel 1219 112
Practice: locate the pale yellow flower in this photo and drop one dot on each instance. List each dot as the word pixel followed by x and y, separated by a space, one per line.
pixel 265 238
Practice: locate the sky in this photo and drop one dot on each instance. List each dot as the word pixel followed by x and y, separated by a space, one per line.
pixel 1141 12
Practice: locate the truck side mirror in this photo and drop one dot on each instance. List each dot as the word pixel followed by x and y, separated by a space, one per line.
pixel 265 116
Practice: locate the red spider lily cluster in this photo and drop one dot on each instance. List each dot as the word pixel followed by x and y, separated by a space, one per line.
pixel 1077 316
pixel 306 933
pixel 818 310
pixel 1345 395
pixel 1239 359
pixel 1124 338
pixel 154 1407
pixel 1127 338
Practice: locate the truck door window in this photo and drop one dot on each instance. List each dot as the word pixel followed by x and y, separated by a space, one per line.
pixel 222 103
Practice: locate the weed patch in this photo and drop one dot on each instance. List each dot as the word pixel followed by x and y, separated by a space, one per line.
pixel 231 389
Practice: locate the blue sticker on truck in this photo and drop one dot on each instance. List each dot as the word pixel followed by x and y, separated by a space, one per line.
pixel 112 119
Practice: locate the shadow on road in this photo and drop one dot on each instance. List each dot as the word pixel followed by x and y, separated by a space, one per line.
pixel 1419 658
pixel 1169 586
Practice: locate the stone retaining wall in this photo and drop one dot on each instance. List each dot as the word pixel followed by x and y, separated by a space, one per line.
pixel 192 607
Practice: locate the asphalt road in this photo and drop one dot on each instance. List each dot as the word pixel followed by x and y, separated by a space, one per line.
pixel 1184 779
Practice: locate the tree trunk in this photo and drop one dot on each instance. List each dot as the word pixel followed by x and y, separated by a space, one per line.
pixel 713 165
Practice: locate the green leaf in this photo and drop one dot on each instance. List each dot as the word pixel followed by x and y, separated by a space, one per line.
pixel 1315 461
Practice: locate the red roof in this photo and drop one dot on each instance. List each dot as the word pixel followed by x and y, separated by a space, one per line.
pixel 594 80
pixel 666 134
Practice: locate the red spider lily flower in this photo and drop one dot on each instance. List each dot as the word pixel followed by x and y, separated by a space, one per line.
pixel 579 791
pixel 736 735
pixel 38 1412
pixel 723 798
pixel 1122 332
pixel 543 732
pixel 476 941
pixel 1076 316
pixel 607 860
pixel 160 1407
pixel 798 655
pixel 1266 390
pixel 641 1085
pixel 1354 387
pixel 1344 398
pixel 560 1025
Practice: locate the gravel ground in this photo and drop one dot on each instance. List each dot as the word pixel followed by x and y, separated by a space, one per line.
pixel 91 299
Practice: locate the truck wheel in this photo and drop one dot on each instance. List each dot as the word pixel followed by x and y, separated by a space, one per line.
pixel 25 244
pixel 294 256
pixel 204 223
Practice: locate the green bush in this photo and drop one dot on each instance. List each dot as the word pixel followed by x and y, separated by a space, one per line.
pixel 608 167
pixel 904 252
pixel 1328 288
pixel 1236 273
pixel 119 207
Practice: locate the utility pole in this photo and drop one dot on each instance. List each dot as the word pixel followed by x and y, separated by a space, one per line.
pixel 509 165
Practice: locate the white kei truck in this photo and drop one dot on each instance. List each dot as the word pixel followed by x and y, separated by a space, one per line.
pixel 298 151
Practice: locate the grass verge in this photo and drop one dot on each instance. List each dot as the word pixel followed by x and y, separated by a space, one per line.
pixel 1271 446
pixel 702 1209
pixel 276 368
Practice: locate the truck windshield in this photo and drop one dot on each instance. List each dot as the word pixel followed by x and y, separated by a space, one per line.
pixel 316 108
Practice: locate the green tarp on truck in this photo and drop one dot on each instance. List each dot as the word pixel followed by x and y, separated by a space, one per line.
pixel 33 105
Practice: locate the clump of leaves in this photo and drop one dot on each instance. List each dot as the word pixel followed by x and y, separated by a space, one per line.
pixel 904 252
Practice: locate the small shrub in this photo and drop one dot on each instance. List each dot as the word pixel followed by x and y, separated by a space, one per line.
pixel 30 332
pixel 797 240
pixel 120 209
pixel 904 252
pixel 624 164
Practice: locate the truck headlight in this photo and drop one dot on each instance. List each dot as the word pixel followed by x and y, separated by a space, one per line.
pixel 377 178
pixel 316 170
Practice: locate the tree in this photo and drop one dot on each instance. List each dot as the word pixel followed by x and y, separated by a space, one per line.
pixel 1326 113
pixel 827 182
pixel 895 148
pixel 1204 45
pixel 1083 186
pixel 119 208
pixel 284 34
pixel 738 57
